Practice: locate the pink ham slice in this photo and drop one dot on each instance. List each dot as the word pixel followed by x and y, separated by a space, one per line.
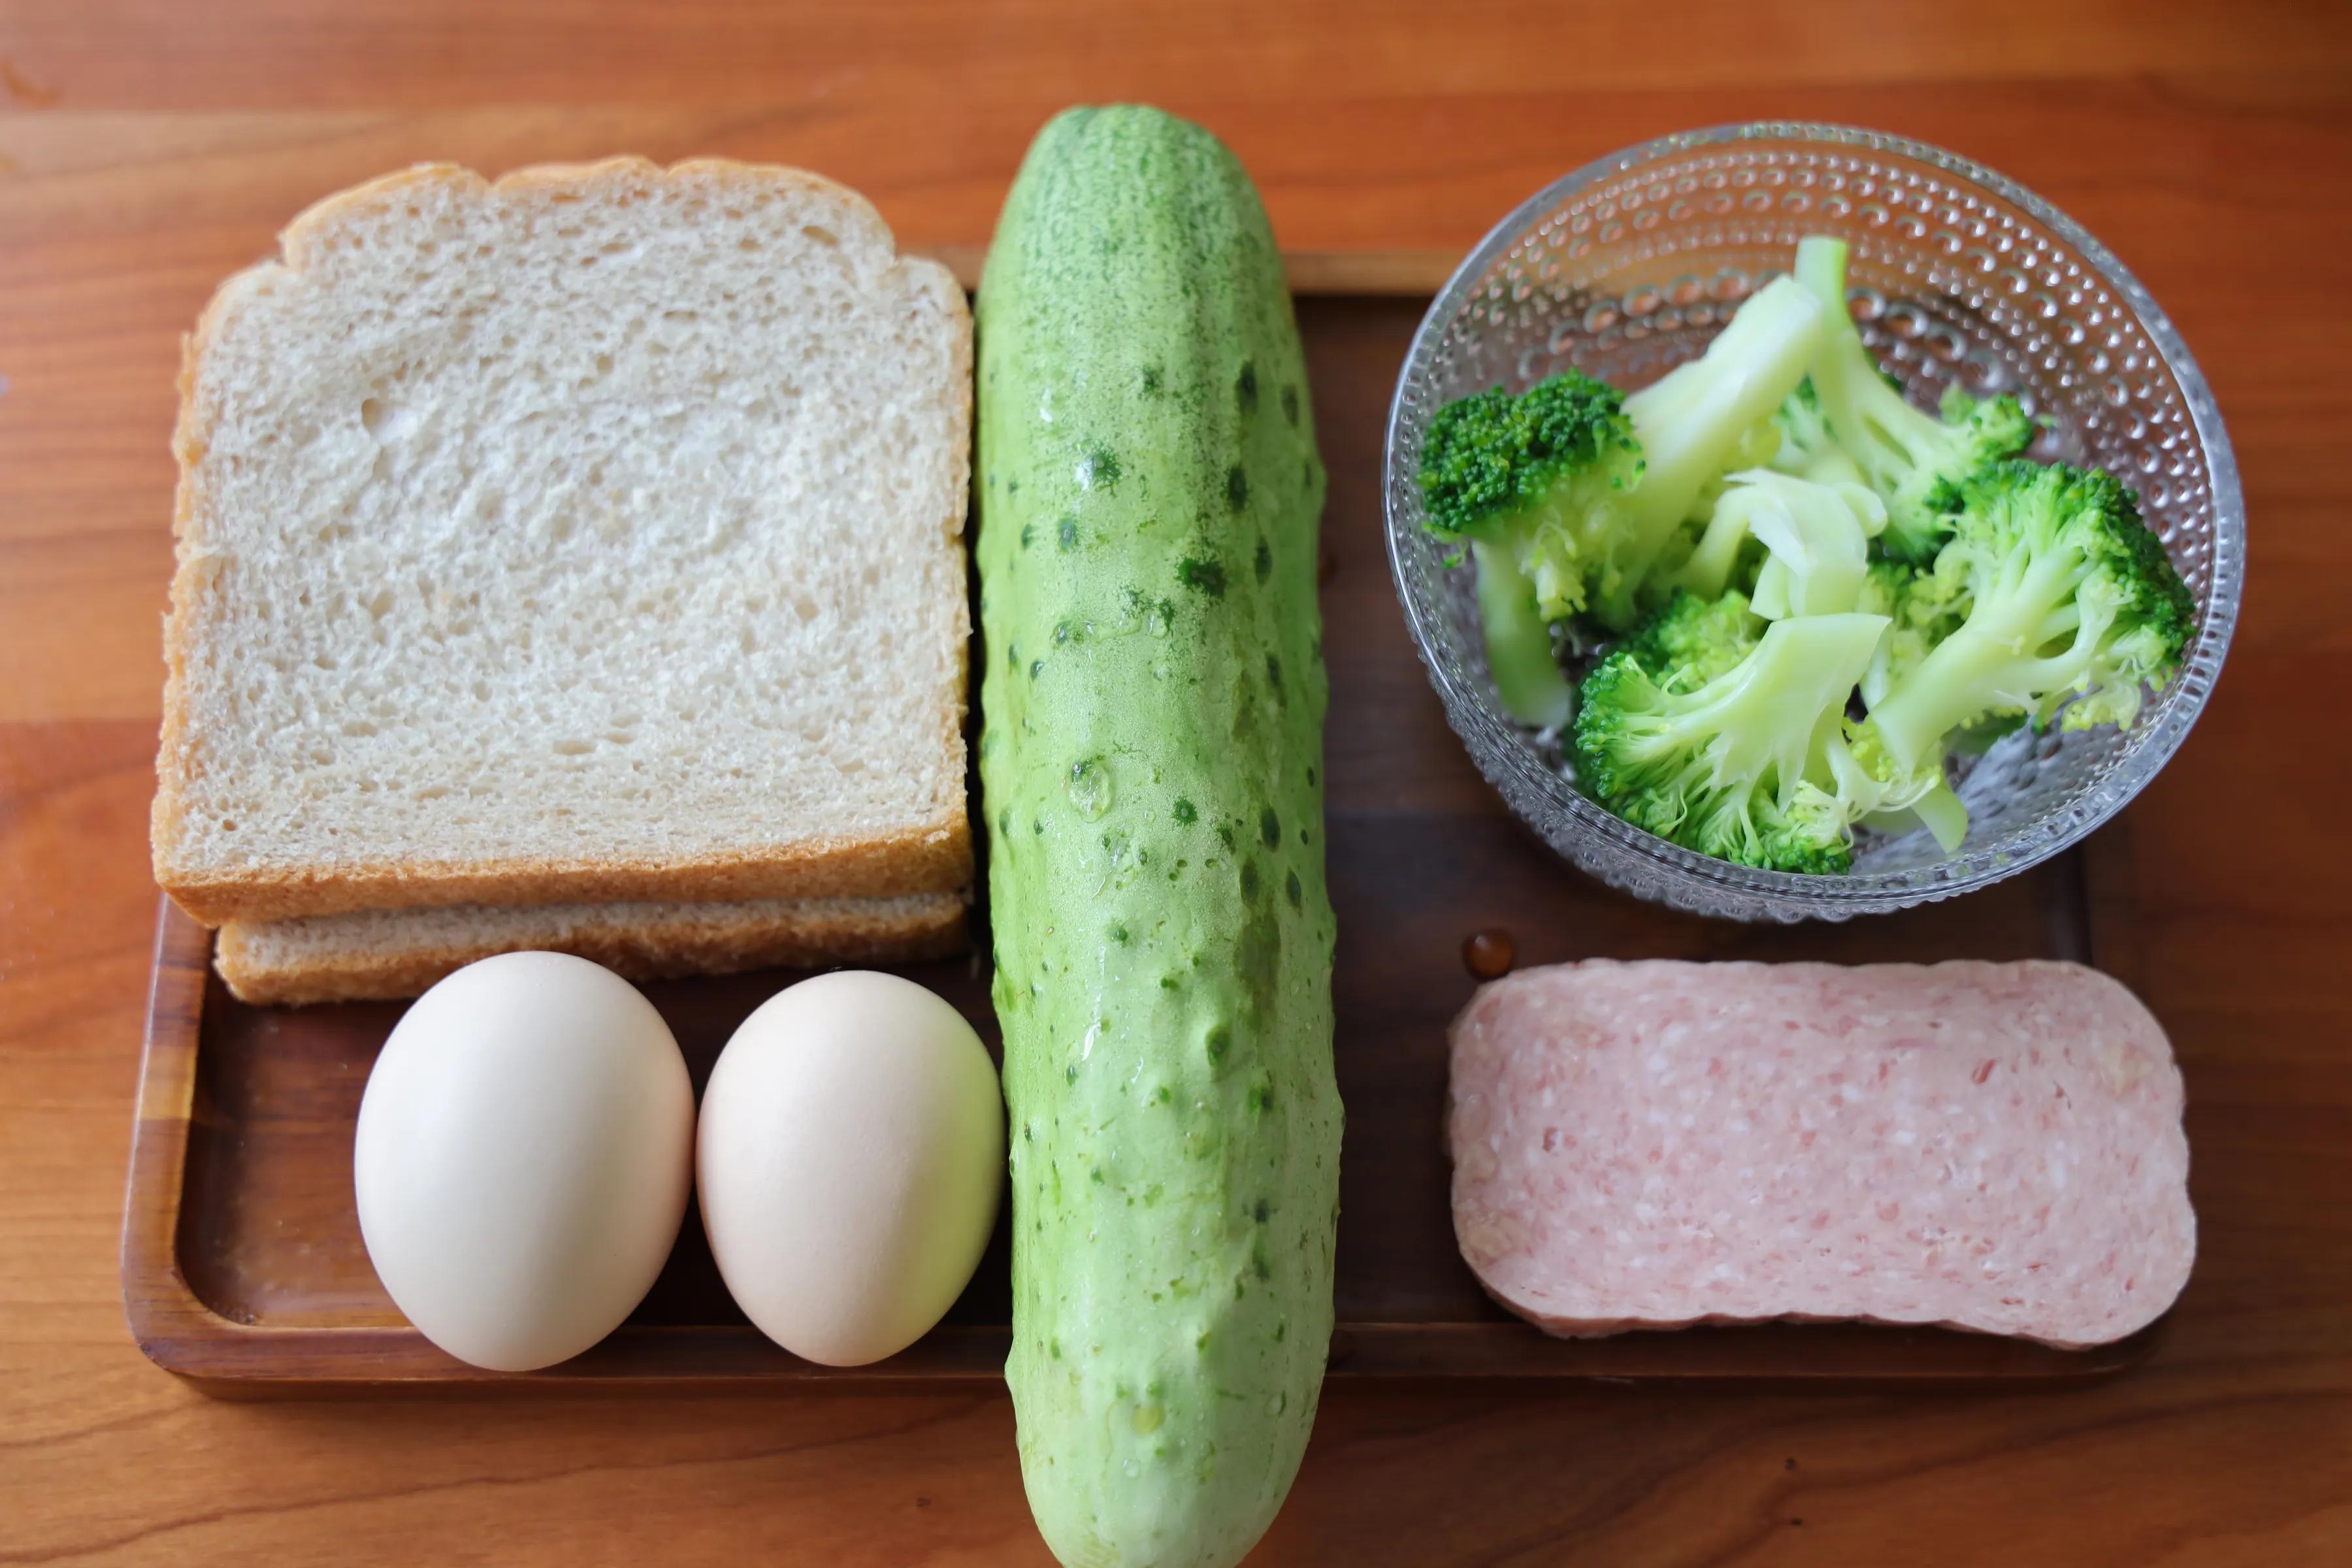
pixel 1987 1146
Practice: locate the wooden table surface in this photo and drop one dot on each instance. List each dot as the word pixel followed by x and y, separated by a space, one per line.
pixel 149 148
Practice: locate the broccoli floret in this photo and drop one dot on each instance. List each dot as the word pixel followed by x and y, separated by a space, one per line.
pixel 1544 476
pixel 1739 768
pixel 1904 453
pixel 1586 489
pixel 2070 603
pixel 1692 640
pixel 1533 482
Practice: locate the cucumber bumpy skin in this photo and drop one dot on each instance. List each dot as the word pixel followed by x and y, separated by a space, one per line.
pixel 1148 494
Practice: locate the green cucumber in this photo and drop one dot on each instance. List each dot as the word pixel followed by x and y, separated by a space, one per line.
pixel 1148 495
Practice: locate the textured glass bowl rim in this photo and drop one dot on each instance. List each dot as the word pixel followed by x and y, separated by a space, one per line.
pixel 1788 895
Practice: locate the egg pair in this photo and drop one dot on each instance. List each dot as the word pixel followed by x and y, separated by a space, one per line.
pixel 528 1135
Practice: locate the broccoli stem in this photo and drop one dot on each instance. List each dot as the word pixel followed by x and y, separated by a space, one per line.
pixel 1889 440
pixel 1775 713
pixel 1819 537
pixel 1692 421
pixel 1943 815
pixel 1964 678
pixel 1938 811
pixel 1707 573
pixel 1830 466
pixel 1527 676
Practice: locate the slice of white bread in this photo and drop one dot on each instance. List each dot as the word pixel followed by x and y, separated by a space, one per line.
pixel 399 953
pixel 594 534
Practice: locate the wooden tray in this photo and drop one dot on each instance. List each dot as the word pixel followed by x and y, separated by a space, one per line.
pixel 242 1266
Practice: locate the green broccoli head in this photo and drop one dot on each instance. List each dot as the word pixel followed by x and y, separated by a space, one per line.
pixel 1811 835
pixel 1495 454
pixel 1737 767
pixel 1907 455
pixel 1540 474
pixel 2072 609
pixel 1631 756
pixel 1691 640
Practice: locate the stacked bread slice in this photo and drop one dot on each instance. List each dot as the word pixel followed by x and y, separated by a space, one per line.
pixel 573 561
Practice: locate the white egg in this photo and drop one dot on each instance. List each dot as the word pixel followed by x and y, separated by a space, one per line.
pixel 523 1155
pixel 851 1154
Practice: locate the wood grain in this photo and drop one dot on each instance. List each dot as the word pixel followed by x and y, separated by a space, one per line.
pixel 146 150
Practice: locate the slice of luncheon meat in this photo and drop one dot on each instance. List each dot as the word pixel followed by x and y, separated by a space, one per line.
pixel 1989 1146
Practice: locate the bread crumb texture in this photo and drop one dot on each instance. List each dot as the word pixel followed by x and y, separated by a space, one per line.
pixel 594 531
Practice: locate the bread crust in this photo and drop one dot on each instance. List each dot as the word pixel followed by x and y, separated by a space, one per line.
pixel 657 943
pixel 932 856
pixel 933 859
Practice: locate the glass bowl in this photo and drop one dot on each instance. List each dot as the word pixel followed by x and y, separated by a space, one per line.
pixel 1629 266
